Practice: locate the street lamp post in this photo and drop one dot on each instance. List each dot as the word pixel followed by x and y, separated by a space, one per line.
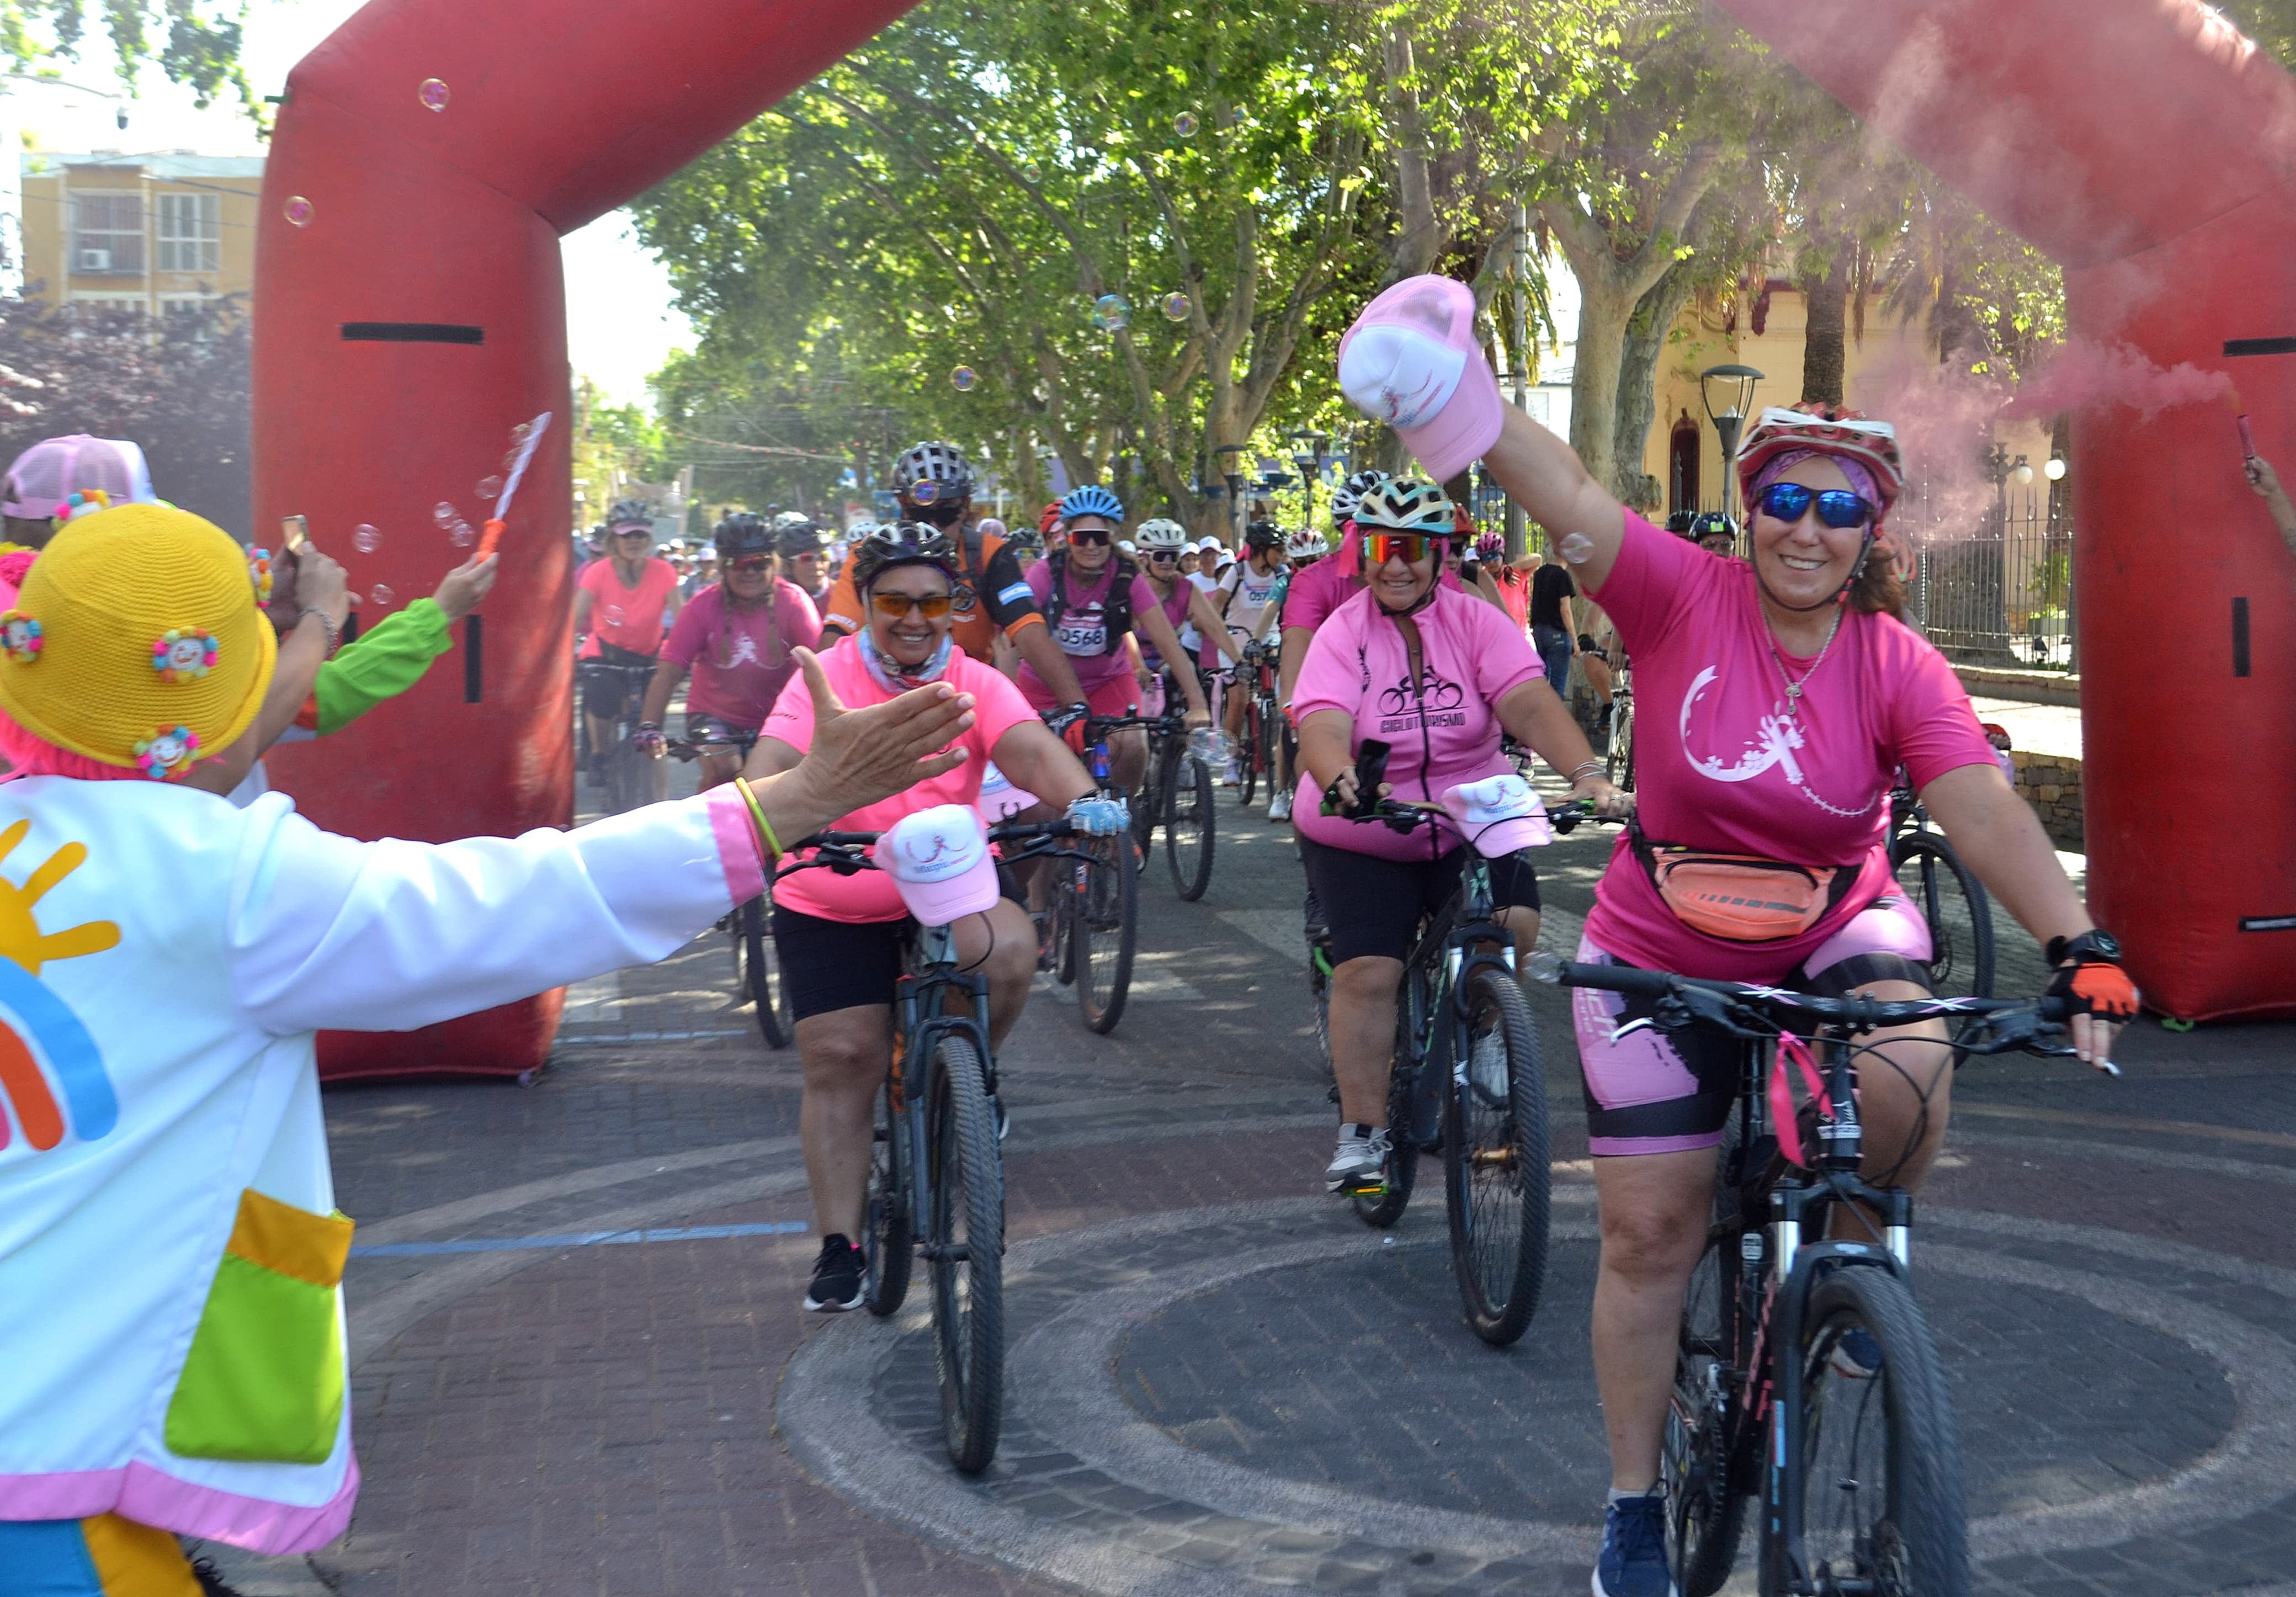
pixel 1235 505
pixel 1728 393
pixel 1307 454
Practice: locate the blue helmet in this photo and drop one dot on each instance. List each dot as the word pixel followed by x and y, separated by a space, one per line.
pixel 1092 500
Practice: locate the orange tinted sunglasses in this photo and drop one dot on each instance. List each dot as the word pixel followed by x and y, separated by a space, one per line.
pixel 932 606
pixel 1410 547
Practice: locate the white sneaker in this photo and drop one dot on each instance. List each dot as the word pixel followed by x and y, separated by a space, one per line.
pixel 1279 808
pixel 1232 772
pixel 1358 1164
pixel 1486 1067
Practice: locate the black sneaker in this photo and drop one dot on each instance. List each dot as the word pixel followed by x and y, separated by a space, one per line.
pixel 836 1278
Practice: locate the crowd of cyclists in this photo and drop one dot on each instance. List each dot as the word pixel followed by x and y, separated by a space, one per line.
pixel 1410 663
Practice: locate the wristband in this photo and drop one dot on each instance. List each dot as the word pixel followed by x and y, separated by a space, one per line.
pixel 2096 943
pixel 1584 770
pixel 334 633
pixel 758 814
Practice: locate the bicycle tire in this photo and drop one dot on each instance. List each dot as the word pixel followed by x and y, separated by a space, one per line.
pixel 1620 756
pixel 1705 1499
pixel 1497 1185
pixel 968 1293
pixel 1107 919
pixel 1401 1171
pixel 1190 824
pixel 889 1245
pixel 1063 906
pixel 1247 758
pixel 761 977
pixel 1269 720
pixel 1919 1540
pixel 627 779
pixel 1955 905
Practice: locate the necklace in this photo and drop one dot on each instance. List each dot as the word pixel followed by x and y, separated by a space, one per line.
pixel 1785 724
pixel 1788 705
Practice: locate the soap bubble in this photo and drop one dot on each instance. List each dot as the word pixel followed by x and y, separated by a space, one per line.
pixel 1186 124
pixel 489 487
pixel 299 210
pixel 1175 307
pixel 444 513
pixel 366 539
pixel 510 460
pixel 1033 172
pixel 614 616
pixel 520 433
pixel 1112 313
pixel 461 534
pixel 963 379
pixel 433 94
pixel 382 596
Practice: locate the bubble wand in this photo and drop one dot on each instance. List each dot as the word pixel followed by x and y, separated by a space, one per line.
pixel 495 523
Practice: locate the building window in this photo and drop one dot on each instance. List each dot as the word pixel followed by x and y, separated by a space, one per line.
pixel 191 232
pixel 109 234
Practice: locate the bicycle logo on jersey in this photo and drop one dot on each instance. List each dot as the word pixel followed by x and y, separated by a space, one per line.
pixel 1437 692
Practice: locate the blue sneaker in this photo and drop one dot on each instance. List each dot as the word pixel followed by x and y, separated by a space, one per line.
pixel 1856 1355
pixel 1633 1563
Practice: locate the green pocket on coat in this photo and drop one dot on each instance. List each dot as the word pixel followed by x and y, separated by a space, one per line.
pixel 264 1380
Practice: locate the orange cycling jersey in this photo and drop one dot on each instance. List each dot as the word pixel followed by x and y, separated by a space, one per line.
pixel 990 595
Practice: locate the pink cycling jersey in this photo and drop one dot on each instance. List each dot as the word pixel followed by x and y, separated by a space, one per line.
pixel 871 895
pixel 1443 732
pixel 1721 765
pixel 740 657
pixel 1082 631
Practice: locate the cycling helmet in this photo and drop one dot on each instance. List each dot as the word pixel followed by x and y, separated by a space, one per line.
pixel 1843 434
pixel 1348 494
pixel 630 513
pixel 1490 549
pixel 1050 517
pixel 1162 532
pixel 933 473
pixel 743 533
pixel 1711 524
pixel 1027 540
pixel 1307 544
pixel 989 526
pixel 1407 505
pixel 1092 500
pixel 1681 522
pixel 1262 535
pixel 901 543
pixel 800 535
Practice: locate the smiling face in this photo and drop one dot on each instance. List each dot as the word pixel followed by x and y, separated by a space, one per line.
pixel 805 570
pixel 749 577
pixel 909 638
pixel 1804 564
pixel 1399 584
pixel 1088 555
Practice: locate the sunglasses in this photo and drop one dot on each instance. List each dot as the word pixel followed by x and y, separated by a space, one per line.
pixel 932 606
pixel 1410 547
pixel 751 563
pixel 1837 507
pixel 1161 557
pixel 634 533
pixel 1091 536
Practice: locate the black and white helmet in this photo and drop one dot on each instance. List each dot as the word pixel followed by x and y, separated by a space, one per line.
pixel 901 543
pixel 933 474
pixel 1161 532
pixel 1407 505
pixel 1350 494
pixel 631 512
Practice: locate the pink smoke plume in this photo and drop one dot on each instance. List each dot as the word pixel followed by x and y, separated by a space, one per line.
pixel 2081 372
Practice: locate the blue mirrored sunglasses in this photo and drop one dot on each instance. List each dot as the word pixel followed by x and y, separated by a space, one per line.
pixel 1836 507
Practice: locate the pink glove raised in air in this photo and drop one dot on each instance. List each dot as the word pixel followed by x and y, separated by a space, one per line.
pixel 1410 360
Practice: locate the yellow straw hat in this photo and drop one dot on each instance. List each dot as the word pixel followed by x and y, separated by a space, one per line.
pixel 136 641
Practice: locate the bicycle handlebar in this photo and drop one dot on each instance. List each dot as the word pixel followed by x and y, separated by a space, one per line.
pixel 847 852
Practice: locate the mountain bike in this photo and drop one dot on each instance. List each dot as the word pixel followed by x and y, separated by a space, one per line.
pixel 936 1171
pixel 1178 796
pixel 1255 676
pixel 757 959
pixel 1953 902
pixel 1094 908
pixel 1858 1468
pixel 629 778
pixel 1466 1082
pixel 1619 756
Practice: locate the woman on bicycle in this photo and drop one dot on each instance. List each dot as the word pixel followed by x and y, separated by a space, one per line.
pixel 1163 543
pixel 1092 598
pixel 735 637
pixel 1438 675
pixel 841 937
pixel 1783 697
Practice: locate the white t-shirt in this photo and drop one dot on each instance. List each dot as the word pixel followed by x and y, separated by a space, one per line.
pixel 1191 637
pixel 1245 596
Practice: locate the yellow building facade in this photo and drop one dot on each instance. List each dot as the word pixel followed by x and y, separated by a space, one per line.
pixel 150 233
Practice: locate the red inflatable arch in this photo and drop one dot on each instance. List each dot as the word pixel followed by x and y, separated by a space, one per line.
pixel 410 311
pixel 2150 150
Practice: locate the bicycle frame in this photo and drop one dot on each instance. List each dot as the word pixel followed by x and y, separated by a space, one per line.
pixel 1464 937
pixel 921 1003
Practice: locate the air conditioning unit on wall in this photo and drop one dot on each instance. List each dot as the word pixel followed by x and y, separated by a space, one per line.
pixel 95 261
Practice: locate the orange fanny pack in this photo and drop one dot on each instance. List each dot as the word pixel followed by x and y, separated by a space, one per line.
pixel 1741 898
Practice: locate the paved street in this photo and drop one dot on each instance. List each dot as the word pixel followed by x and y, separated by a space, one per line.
pixel 1219 1380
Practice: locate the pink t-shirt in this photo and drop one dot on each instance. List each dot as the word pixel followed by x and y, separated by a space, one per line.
pixel 1082 632
pixel 1717 766
pixel 741 658
pixel 628 618
pixel 1324 586
pixel 870 895
pixel 1472 658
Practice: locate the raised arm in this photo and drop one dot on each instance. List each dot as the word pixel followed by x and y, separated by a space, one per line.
pixel 1547 480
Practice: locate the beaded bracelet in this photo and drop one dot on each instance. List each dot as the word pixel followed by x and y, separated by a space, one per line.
pixel 758 814
pixel 334 633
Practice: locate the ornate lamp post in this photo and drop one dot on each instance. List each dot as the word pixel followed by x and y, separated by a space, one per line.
pixel 1728 393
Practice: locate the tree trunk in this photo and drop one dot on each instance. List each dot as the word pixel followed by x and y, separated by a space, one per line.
pixel 1645 346
pixel 1825 342
pixel 1604 311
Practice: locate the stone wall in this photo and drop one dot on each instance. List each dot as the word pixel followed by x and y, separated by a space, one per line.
pixel 2052 785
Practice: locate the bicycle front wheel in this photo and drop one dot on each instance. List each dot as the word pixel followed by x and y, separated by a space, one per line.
pixel 1698 1461
pixel 1495 1175
pixel 1954 904
pixel 1621 757
pixel 965 1253
pixel 1248 754
pixel 761 974
pixel 890 1245
pixel 1879 1483
pixel 1189 823
pixel 1105 923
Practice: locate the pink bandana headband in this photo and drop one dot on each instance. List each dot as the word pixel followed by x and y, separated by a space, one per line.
pixel 1777 465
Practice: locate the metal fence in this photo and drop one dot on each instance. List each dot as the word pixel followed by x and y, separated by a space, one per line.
pixel 2004 595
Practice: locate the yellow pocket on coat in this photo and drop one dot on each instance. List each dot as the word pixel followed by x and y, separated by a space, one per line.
pixel 264 1380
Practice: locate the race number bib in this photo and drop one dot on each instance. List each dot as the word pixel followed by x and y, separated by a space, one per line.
pixel 1080 636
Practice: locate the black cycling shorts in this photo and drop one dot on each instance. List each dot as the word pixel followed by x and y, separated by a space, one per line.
pixel 610 680
pixel 1374 906
pixel 845 964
